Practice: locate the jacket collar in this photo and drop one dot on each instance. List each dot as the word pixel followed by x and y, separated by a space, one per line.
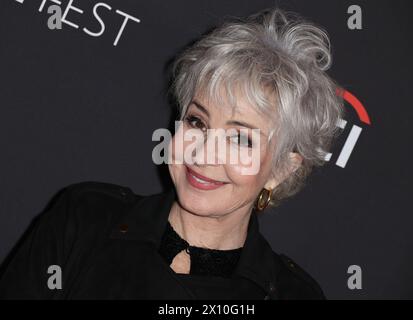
pixel 146 220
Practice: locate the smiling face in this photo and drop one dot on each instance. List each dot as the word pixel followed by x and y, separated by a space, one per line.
pixel 217 189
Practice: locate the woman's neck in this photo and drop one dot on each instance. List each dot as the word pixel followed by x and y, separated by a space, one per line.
pixel 221 233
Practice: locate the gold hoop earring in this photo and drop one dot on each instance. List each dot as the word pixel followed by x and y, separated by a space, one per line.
pixel 264 199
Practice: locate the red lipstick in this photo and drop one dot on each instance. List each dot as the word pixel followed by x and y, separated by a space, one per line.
pixel 201 182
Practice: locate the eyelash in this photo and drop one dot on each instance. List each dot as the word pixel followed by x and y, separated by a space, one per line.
pixel 191 118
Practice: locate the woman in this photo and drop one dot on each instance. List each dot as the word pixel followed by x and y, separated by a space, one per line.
pixel 200 240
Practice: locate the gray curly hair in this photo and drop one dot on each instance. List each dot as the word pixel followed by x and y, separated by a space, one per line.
pixel 270 50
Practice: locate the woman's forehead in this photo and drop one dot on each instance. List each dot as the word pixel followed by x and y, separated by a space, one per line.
pixel 238 108
pixel 238 96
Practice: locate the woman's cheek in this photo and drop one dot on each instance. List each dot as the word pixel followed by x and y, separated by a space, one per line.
pixel 175 159
pixel 237 176
pixel 251 170
pixel 247 160
pixel 176 148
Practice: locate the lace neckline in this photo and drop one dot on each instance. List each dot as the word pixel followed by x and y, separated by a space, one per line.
pixel 204 261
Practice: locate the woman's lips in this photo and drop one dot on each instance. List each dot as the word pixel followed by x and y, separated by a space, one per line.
pixel 201 182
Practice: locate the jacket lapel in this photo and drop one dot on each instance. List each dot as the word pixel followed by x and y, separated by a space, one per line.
pixel 145 220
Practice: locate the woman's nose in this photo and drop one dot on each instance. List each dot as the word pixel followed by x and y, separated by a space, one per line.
pixel 212 149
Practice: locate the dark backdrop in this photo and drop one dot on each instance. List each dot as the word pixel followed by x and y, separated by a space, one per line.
pixel 75 108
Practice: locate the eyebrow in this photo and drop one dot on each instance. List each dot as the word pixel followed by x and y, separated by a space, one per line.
pixel 233 122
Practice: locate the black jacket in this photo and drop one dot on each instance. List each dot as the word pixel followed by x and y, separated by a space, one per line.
pixel 104 238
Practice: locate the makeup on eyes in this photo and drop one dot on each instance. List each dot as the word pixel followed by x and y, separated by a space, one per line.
pixel 191 118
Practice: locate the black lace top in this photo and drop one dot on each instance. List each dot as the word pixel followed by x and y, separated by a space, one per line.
pixel 204 261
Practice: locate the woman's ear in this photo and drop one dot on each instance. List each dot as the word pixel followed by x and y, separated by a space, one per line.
pixel 271 183
pixel 295 162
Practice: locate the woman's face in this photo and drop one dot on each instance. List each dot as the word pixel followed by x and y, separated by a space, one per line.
pixel 234 189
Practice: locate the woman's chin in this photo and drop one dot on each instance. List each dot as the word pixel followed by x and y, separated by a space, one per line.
pixel 198 204
pixel 193 205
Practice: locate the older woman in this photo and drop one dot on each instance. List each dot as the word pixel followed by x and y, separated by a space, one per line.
pixel 200 240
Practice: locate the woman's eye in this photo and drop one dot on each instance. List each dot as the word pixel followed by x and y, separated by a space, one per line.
pixel 242 140
pixel 195 122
